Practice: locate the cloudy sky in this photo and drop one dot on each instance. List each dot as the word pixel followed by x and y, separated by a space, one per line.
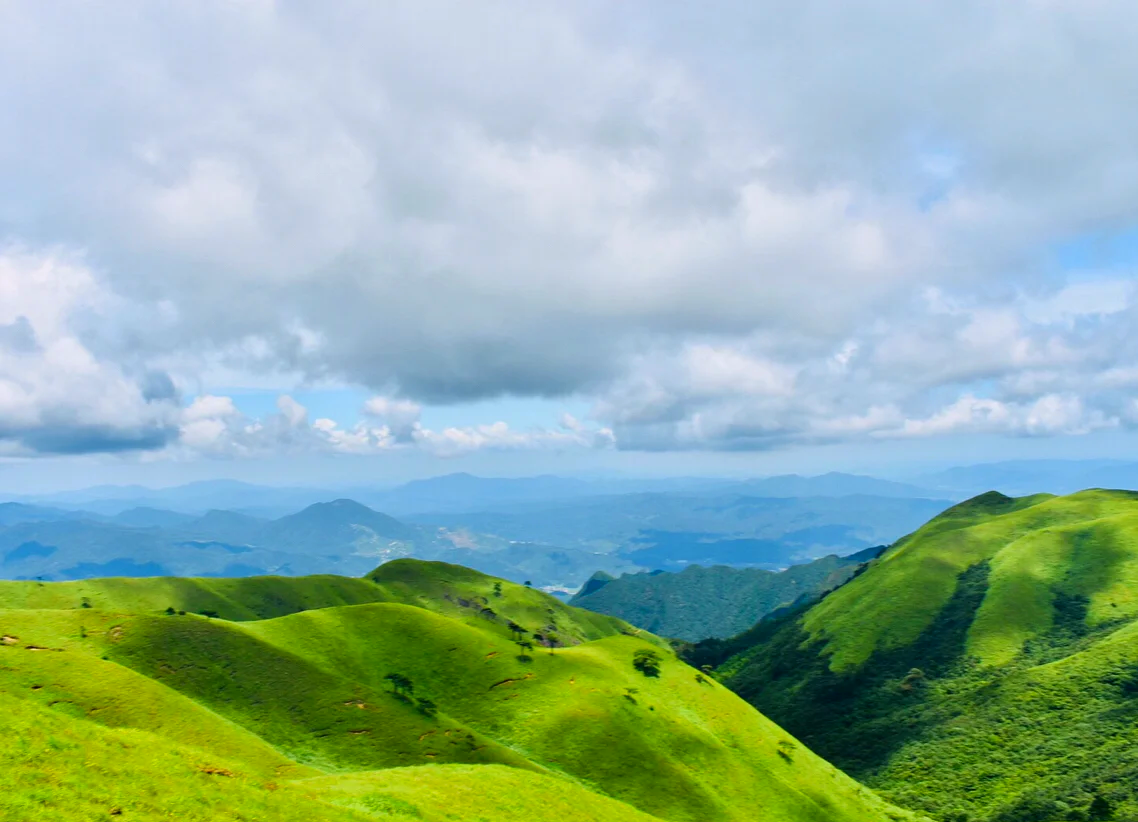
pixel 375 239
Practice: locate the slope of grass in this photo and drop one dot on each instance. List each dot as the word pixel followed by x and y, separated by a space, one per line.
pixel 236 599
pixel 985 668
pixel 442 793
pixel 57 768
pixel 297 717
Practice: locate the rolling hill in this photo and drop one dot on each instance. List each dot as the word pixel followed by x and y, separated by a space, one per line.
pixel 984 668
pixel 403 695
pixel 719 601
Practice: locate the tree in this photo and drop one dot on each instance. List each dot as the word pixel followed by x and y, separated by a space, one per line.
pixel 497 589
pixel 489 613
pixel 400 685
pixel 426 707
pixel 170 611
pixel 516 631
pixel 528 584
pixel 552 641
pixel 647 662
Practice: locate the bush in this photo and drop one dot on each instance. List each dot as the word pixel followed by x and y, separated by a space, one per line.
pixel 647 662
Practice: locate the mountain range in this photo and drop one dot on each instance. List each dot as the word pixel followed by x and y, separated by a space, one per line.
pixel 555 544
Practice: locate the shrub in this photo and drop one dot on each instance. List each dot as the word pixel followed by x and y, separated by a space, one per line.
pixel 647 662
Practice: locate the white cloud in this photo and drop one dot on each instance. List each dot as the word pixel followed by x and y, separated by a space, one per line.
pixel 753 232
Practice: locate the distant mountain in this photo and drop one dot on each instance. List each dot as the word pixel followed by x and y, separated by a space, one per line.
pixel 192 498
pixel 831 485
pixel 1019 477
pixel 12 513
pixel 342 536
pixel 984 668
pixel 718 601
pixel 146 517
pixel 465 492
pixel 670 531
pixel 227 526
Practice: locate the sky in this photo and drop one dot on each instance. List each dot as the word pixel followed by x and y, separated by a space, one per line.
pixel 287 240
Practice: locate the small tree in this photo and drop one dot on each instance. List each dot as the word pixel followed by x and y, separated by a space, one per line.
pixel 552 641
pixel 528 584
pixel 647 662
pixel 497 589
pixel 426 707
pixel 516 631
pixel 170 611
pixel 401 686
pixel 489 613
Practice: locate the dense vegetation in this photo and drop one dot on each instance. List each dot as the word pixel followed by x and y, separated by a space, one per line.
pixel 425 691
pixel 718 601
pixel 984 668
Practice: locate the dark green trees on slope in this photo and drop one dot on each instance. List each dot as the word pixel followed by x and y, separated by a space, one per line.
pixel 984 668
pixel 393 697
pixel 717 601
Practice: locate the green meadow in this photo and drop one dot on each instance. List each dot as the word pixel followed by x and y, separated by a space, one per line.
pixel 424 691
pixel 984 668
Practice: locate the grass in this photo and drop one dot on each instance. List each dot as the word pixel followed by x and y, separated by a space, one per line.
pixel 984 668
pixel 296 717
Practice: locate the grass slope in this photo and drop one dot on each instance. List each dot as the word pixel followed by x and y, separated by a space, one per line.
pixel 984 668
pixel 294 717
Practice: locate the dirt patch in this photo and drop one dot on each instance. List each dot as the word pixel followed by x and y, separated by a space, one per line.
pixel 8 639
pixel 115 634
pixel 40 648
pixel 491 655
pixel 512 679
pixel 358 733
pixel 215 771
pixel 429 733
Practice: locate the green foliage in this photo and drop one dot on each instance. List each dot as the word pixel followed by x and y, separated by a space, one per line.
pixel 984 669
pixel 711 602
pixel 647 662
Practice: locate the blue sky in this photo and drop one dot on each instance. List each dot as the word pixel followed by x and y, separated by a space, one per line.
pixel 387 241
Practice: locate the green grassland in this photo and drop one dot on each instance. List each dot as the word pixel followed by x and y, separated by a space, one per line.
pixel 984 668
pixel 287 708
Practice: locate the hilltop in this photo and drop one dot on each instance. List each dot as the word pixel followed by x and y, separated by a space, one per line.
pixel 984 668
pixel 424 690
pixel 718 601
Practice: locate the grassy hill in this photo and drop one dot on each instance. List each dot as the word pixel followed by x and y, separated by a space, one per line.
pixel 405 695
pixel 984 668
pixel 718 601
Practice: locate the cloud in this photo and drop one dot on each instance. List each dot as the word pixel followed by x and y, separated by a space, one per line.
pixel 57 395
pixel 213 426
pixel 761 229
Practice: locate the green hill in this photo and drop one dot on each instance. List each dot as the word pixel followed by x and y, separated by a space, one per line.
pixel 405 695
pixel 718 601
pixel 984 668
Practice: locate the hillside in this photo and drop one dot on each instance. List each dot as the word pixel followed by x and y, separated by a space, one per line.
pixel 718 601
pixel 984 668
pixel 400 696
